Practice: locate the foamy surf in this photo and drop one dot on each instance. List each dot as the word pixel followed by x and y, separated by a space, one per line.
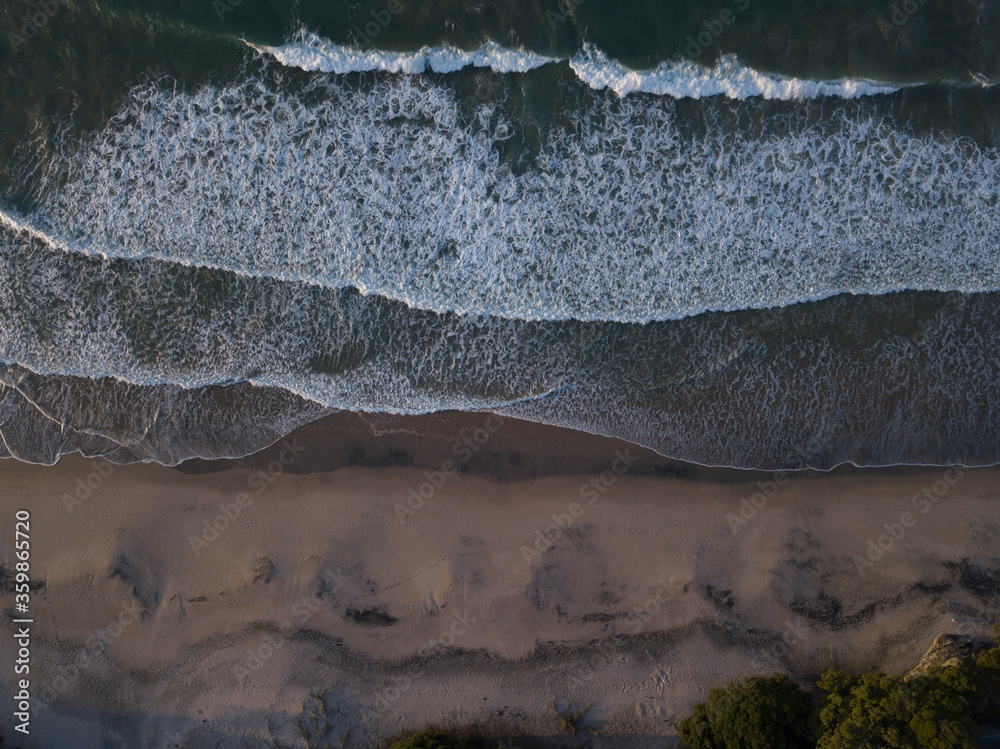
pixel 681 79
pixel 685 79
pixel 311 52
pixel 809 386
pixel 392 190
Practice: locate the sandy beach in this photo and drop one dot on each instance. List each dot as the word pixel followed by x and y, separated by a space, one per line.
pixel 316 595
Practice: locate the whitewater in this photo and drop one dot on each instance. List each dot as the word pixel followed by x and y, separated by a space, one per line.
pixel 625 215
pixel 678 78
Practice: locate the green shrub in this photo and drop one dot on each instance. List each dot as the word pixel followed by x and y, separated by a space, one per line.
pixel 989 660
pixel 988 666
pixel 757 713
pixel 429 740
pixel 877 711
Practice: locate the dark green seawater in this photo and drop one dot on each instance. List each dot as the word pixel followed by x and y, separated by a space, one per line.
pixel 756 234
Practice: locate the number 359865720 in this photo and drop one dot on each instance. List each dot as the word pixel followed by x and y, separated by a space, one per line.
pixel 22 545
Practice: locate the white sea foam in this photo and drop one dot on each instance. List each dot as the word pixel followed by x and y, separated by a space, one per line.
pixel 309 51
pixel 679 79
pixel 390 189
pixel 688 80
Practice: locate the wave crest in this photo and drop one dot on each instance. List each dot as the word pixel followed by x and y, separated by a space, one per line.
pixel 685 79
pixel 312 52
pixel 679 79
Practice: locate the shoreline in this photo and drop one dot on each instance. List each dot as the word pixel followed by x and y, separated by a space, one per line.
pixel 518 450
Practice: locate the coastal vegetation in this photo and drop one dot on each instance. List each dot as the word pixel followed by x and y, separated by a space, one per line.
pixel 757 713
pixel 935 706
pixel 433 740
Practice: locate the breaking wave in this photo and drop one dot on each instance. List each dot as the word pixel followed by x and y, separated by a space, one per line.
pixel 311 52
pixel 679 79
pixel 686 79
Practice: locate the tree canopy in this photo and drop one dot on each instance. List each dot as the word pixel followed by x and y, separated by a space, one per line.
pixel 757 713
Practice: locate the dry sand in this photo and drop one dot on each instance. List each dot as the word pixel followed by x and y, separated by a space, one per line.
pixel 532 574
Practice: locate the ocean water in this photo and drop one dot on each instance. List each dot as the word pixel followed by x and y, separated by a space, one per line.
pixel 739 235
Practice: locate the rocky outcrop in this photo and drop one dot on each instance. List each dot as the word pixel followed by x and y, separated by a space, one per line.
pixel 949 650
